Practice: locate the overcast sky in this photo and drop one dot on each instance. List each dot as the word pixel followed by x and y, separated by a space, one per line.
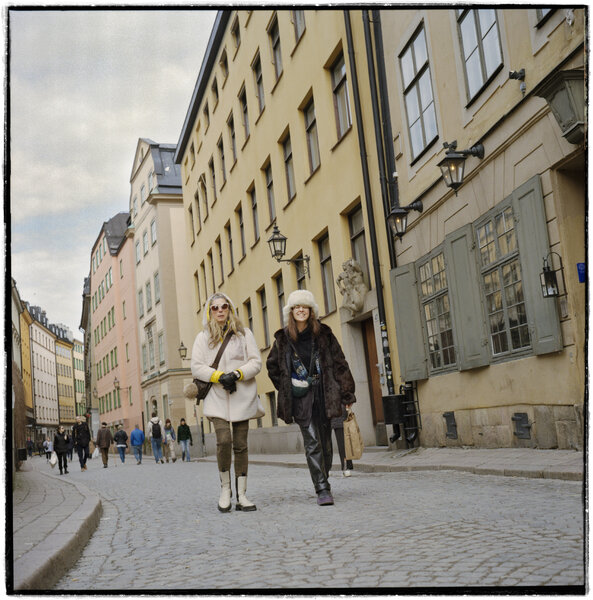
pixel 84 86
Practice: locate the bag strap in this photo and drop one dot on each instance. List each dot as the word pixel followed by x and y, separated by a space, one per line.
pixel 226 340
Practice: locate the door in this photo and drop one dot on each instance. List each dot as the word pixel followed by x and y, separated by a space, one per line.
pixel 370 351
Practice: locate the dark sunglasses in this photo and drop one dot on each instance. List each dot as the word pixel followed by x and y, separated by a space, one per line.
pixel 215 307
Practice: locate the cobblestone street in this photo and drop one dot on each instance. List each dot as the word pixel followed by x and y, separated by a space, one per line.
pixel 161 529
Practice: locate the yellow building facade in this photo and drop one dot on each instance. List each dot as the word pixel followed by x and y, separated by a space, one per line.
pixel 65 377
pixel 26 321
pixel 272 138
pixel 494 362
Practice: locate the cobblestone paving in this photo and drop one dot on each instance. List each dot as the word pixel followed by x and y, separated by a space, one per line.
pixel 161 530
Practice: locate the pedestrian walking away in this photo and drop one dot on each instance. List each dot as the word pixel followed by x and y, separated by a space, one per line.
pixel 121 442
pixel 308 368
pixel 337 424
pixel 103 442
pixel 137 441
pixel 61 441
pixel 169 442
pixel 232 399
pixel 81 437
pixel 70 449
pixel 155 433
pixel 29 446
pixel 185 440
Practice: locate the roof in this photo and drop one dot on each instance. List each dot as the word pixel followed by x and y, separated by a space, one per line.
pixel 115 231
pixel 218 30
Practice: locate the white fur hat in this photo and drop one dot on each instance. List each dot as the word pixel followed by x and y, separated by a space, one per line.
pixel 301 298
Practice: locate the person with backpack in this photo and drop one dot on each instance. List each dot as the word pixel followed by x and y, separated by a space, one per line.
pixel 121 442
pixel 156 431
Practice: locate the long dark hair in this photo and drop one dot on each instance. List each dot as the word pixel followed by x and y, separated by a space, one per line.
pixel 312 322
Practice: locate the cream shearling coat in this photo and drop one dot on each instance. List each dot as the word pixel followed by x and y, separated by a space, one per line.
pixel 241 353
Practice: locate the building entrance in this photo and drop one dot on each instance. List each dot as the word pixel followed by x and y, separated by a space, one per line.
pixel 375 393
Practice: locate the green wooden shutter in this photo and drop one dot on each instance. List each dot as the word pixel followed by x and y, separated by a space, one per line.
pixel 408 325
pixel 463 278
pixel 532 236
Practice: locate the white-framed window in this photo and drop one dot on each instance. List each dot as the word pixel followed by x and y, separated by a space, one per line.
pixel 151 181
pixel 327 276
pixel 298 21
pixel 236 33
pixel 145 242
pixel 259 83
pixel 212 177
pixel 137 252
pixel 140 303
pixel 142 194
pixel 274 34
pixel 418 95
pixel 153 232
pixel 148 297
pixel 480 41
pixel 311 133
pixel 341 96
pixel 244 111
pixel 270 191
pixel 161 348
pixel 220 146
pixel 288 167
pixel 264 313
pixel 232 136
pixel 157 288
pixel 253 201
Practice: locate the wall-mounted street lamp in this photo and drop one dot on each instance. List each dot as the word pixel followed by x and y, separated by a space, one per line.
pixel 564 91
pixel 116 383
pixel 398 218
pixel 277 243
pixel 182 351
pixel 453 165
pixel 548 279
pixel 95 392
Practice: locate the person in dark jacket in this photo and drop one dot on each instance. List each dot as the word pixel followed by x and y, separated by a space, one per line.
pixel 70 450
pixel 121 442
pixel 137 440
pixel 103 442
pixel 308 368
pixel 81 436
pixel 61 440
pixel 185 440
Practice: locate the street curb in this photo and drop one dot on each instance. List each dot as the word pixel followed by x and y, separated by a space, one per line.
pixel 499 471
pixel 42 567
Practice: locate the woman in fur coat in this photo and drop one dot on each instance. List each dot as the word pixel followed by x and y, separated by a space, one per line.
pixel 232 399
pixel 308 368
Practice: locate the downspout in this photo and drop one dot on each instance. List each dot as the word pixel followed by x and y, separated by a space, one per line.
pixel 369 206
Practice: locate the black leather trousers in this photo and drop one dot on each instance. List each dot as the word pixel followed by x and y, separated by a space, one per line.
pixel 318 450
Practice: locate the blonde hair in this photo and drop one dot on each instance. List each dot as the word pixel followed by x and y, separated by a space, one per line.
pixel 312 322
pixel 217 331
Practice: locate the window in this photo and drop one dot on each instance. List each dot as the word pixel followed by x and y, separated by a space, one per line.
pixel 229 238
pixel 224 65
pixel 300 274
pixel 137 252
pixel 214 89
pixel 220 261
pixel 144 358
pixel 253 197
pixel 244 112
pixel 418 96
pixel 211 263
pixel 142 194
pixel 542 15
pixel 327 276
pixel 145 242
pixel 204 194
pixel 197 289
pixel 197 212
pixel 151 180
pixel 476 299
pixel 140 304
pixel 206 113
pixel 264 314
pixel 212 177
pixel 157 288
pixel 232 137
pixel 298 20
pixel 148 297
pixel 358 242
pixel 280 296
pixel 312 141
pixel 274 34
pixel 436 312
pixel 150 350
pixel 259 83
pixel 153 232
pixel 502 283
pixel 121 268
pixel 480 41
pixel 289 167
pixel 247 305
pixel 190 219
pixel 221 158
pixel 270 192
pixel 161 348
pixel 135 205
pixel 341 97
pixel 241 230
pixel 236 33
pixel 203 269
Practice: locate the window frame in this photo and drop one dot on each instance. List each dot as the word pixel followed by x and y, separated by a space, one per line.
pixel 312 135
pixel 276 47
pixel 327 275
pixel 258 79
pixel 340 92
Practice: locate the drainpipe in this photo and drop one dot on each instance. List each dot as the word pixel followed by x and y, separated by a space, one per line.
pixel 369 206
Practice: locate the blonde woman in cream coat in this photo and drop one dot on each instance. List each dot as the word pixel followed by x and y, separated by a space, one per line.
pixel 232 399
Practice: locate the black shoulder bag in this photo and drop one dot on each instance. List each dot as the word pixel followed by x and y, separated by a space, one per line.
pixel 204 386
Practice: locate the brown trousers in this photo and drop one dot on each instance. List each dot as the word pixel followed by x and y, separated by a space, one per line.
pixel 238 442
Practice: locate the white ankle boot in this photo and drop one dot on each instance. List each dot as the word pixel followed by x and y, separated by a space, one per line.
pixel 224 502
pixel 242 502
